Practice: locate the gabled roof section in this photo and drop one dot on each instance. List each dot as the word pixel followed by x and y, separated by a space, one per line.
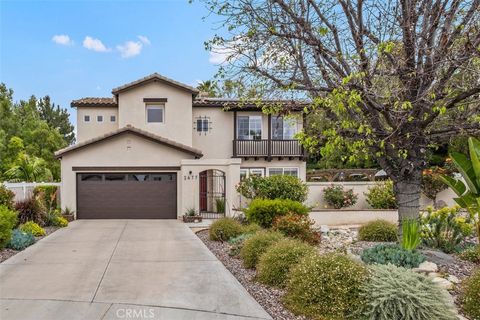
pixel 236 104
pixel 152 78
pixel 129 129
pixel 94 102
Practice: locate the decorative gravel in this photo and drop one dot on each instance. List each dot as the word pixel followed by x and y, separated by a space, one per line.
pixel 269 298
pixel 7 253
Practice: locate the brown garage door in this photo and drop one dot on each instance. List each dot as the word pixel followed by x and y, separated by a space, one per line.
pixel 127 196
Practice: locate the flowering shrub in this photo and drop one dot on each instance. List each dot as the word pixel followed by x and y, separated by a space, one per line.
pixel 381 196
pixel 326 287
pixel 471 254
pixel 264 211
pixel 256 245
pixel 445 228
pixel 338 198
pixel 297 226
pixel 273 187
pixel 275 263
pixel 224 229
pixel 6 197
pixel 378 231
pixel 33 228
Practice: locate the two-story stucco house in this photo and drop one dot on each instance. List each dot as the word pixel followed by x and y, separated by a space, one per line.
pixel 157 148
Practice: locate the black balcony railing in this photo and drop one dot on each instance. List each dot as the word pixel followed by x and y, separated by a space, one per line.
pixel 267 148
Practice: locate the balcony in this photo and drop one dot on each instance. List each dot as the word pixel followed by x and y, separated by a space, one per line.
pixel 267 148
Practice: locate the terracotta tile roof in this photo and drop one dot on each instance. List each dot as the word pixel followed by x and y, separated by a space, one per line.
pixel 155 77
pixel 129 129
pixel 94 102
pixel 235 104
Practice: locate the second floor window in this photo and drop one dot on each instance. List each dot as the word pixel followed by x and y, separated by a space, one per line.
pixel 155 113
pixel 99 118
pixel 283 128
pixel 113 119
pixel 249 127
pixel 86 118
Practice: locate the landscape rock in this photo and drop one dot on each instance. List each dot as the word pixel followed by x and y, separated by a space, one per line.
pixel 453 279
pixel 443 283
pixel 324 229
pixel 426 267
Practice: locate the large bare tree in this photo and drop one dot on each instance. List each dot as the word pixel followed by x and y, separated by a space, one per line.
pixel 395 76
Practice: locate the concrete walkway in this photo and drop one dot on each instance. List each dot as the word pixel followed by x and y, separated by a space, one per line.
pixel 122 269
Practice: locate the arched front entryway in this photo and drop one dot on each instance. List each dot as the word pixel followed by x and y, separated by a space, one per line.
pixel 212 193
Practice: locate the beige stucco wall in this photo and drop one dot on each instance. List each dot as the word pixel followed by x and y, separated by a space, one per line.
pixel 92 129
pixel 124 150
pixel 177 124
pixel 315 194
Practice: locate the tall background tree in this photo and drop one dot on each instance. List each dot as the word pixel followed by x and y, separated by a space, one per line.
pixel 396 77
pixel 30 132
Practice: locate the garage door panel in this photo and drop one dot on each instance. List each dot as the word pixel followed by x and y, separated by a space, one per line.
pixel 127 199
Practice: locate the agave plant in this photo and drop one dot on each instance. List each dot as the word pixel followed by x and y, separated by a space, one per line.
pixel 468 189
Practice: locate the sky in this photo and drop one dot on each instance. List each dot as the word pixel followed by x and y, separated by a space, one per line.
pixel 74 49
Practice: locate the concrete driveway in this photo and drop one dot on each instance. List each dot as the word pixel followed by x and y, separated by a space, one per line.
pixel 122 269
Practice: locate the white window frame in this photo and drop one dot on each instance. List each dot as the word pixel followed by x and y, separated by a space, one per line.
pixel 250 171
pixel 297 169
pixel 157 107
pixel 89 118
pixel 250 118
pixel 99 116
pixel 114 118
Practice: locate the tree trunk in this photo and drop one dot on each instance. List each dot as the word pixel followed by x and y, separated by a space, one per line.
pixel 407 191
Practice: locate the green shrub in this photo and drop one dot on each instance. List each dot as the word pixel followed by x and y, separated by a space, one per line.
pixel 378 231
pixel 47 195
pixel 33 228
pixel 471 254
pixel 297 226
pixel 20 240
pixel 256 245
pixel 251 228
pixel 338 198
pixel 225 228
pixel 397 293
pixel 53 218
pixel 30 210
pixel 326 287
pixel 6 197
pixel 470 296
pixel 8 220
pixel 381 196
pixel 275 263
pixel 273 187
pixel 393 254
pixel 263 211
pixel 445 229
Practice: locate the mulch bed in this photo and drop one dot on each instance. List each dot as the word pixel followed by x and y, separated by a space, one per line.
pixel 7 253
pixel 269 298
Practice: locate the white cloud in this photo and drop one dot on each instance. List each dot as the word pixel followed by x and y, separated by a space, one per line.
pixel 130 49
pixel 94 44
pixel 219 55
pixel 62 39
pixel 144 40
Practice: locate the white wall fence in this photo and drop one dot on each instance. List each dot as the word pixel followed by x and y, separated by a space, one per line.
pixel 315 194
pixel 24 190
